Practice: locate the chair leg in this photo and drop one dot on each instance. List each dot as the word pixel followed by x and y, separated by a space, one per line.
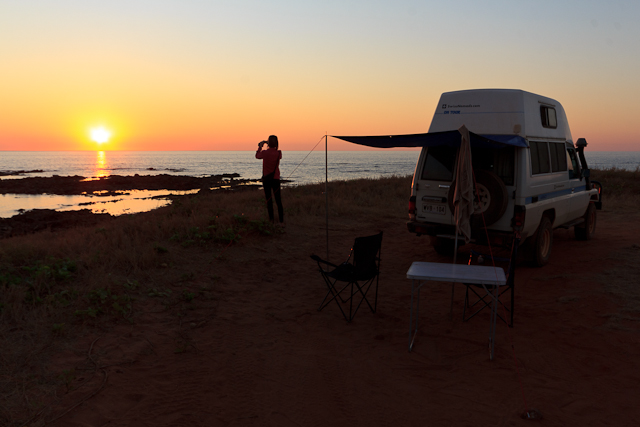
pixel 485 304
pixel 509 309
pixel 513 300
pixel 364 290
pixel 335 295
pixel 480 299
pixel 355 289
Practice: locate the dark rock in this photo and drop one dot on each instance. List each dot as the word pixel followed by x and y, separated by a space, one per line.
pixel 67 185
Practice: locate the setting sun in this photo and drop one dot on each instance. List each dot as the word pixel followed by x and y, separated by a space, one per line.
pixel 100 135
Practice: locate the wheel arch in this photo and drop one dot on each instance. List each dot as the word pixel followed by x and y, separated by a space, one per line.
pixel 551 214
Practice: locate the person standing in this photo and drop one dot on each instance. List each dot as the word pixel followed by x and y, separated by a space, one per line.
pixel 271 175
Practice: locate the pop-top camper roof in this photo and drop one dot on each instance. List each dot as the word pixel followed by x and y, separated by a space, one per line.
pixel 493 116
pixel 501 112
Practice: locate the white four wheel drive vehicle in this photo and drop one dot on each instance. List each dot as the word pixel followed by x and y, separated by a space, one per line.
pixel 529 176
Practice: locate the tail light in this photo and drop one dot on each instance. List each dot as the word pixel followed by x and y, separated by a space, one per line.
pixel 412 208
pixel 517 222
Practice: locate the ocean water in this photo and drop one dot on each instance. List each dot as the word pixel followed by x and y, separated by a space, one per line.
pixel 297 166
pixel 628 160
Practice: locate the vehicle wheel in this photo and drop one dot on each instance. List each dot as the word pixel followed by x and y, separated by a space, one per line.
pixel 587 229
pixel 542 243
pixel 444 247
pixel 490 198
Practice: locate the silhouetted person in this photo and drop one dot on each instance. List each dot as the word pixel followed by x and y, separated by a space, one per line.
pixel 271 174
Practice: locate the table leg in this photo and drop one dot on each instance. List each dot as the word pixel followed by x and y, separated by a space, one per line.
pixel 413 332
pixel 493 319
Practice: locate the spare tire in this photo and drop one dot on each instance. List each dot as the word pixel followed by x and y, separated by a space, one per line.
pixel 490 198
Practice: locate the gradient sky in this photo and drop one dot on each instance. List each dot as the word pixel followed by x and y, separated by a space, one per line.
pixel 223 75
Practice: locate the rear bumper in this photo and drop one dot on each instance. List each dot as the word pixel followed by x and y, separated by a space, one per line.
pixel 429 229
pixel 478 236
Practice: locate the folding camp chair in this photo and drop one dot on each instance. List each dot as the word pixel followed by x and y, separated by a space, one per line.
pixel 482 294
pixel 353 280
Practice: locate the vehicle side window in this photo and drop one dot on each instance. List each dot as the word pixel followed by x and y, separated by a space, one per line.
pixel 572 160
pixel 558 158
pixel 548 117
pixel 539 157
pixel 439 164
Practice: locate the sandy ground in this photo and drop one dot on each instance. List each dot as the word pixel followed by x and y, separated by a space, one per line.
pixel 258 353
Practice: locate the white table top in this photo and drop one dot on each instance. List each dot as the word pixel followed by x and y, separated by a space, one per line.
pixel 463 273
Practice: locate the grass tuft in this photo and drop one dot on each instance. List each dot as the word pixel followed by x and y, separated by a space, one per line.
pixel 621 189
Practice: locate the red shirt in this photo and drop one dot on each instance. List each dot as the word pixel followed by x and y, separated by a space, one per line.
pixel 270 159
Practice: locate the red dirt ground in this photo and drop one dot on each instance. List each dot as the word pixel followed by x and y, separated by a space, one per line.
pixel 260 354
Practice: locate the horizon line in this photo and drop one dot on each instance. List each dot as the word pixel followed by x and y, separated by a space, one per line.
pixel 369 149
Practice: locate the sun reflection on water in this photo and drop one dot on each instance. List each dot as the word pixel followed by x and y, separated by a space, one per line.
pixel 101 165
pixel 125 202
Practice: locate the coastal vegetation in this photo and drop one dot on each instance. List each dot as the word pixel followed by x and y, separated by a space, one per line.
pixel 621 188
pixel 56 286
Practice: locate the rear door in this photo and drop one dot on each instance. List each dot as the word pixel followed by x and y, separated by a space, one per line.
pixel 434 182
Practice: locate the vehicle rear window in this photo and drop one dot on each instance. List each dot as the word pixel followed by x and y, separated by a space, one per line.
pixel 539 157
pixel 439 164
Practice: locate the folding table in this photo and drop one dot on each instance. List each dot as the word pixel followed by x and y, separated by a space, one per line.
pixel 422 272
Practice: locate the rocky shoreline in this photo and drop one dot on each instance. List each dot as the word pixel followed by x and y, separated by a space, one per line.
pixel 36 220
pixel 69 185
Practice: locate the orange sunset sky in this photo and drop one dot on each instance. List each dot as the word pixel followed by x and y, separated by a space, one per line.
pixel 223 75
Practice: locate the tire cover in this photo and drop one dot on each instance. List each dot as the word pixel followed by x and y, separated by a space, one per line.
pixel 494 194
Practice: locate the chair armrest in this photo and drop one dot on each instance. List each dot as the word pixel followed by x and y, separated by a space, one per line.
pixel 320 260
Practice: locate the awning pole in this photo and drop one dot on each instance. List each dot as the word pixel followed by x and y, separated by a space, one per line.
pixel 457 213
pixel 326 189
pixel 455 255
